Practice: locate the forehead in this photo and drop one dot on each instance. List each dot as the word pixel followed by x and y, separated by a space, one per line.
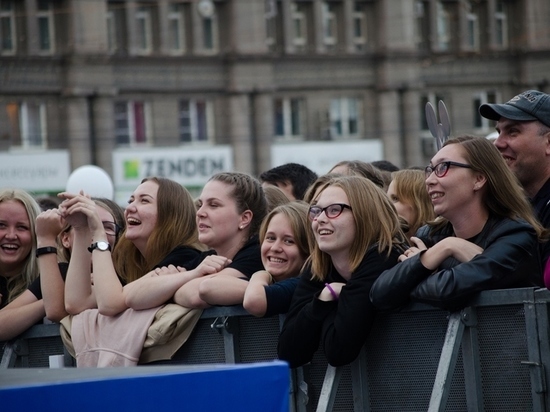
pixel 12 209
pixel 449 152
pixel 216 189
pixel 147 188
pixel 278 222
pixel 332 194
pixel 104 214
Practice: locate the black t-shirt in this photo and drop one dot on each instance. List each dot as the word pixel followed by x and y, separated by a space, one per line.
pixel 3 291
pixel 183 256
pixel 35 287
pixel 247 260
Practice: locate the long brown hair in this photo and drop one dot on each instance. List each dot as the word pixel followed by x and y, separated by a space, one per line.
pixel 376 222
pixel 176 226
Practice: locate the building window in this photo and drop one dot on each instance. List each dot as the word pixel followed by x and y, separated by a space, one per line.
pixel 472 29
pixel 45 18
pixel 288 118
pixel 422 26
pixel 196 121
pixel 299 25
pixel 481 122
pixel 7 27
pixel 330 29
pixel 27 124
pixel 270 23
pixel 112 43
pixel 501 24
pixel 143 31
pixel 432 98
pixel 131 122
pixel 344 117
pixel 359 26
pixel 443 27
pixel 176 29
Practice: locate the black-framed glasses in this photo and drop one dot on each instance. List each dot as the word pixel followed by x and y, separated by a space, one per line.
pixel 442 168
pixel 111 228
pixel 331 211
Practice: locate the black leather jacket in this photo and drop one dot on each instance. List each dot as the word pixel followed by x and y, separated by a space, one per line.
pixel 510 259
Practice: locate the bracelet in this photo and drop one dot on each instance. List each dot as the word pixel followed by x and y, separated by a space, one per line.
pixel 332 292
pixel 45 250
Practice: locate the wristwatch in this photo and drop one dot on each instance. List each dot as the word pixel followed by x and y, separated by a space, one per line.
pixel 102 246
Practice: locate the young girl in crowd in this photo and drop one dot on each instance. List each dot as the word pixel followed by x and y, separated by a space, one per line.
pixel 285 246
pixel 485 237
pixel 18 265
pixel 160 231
pixel 232 206
pixel 358 236
pixel 45 296
pixel 408 193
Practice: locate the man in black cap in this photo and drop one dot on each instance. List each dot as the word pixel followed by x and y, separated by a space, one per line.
pixel 523 125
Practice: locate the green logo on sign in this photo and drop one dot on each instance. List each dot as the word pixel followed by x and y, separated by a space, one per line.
pixel 131 169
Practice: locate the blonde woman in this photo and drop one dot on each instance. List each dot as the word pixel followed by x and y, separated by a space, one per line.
pixel 357 236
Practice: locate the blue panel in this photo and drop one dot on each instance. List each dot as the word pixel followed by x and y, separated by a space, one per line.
pixel 250 387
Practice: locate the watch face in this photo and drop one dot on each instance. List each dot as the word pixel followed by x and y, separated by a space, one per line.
pixel 102 245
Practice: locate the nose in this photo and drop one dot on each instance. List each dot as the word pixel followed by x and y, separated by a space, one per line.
pixel 500 142
pixel 276 246
pixel 200 212
pixel 431 179
pixel 11 233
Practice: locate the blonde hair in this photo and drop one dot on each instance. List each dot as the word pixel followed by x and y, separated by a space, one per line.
pixel 176 226
pixel 410 188
pixel 18 284
pixel 376 222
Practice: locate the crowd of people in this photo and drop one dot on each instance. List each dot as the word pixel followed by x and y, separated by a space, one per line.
pixel 328 251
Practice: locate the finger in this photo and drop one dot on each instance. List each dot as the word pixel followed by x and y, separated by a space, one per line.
pixel 401 258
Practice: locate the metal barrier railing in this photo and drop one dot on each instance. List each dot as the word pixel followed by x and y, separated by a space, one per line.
pixel 494 355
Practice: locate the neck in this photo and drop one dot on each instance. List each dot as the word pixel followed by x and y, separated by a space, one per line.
pixel 230 249
pixel 342 266
pixel 9 271
pixel 470 224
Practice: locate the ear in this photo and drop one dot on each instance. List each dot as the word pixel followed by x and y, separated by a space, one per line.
pixel 479 182
pixel 546 138
pixel 66 239
pixel 246 219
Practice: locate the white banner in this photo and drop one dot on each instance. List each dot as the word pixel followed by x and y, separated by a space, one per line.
pixel 37 172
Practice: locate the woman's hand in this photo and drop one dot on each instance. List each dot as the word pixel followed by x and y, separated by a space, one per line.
pixel 326 294
pixel 48 226
pixel 461 249
pixel 418 246
pixel 80 212
pixel 212 264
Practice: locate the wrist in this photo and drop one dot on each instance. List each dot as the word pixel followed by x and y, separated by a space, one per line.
pixel 42 241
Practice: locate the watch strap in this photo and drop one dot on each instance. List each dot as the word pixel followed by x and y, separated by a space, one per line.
pixel 45 250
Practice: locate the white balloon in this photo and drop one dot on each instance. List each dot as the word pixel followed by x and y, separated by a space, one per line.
pixel 93 180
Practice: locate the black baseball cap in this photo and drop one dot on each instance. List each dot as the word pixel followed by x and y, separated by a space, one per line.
pixel 526 106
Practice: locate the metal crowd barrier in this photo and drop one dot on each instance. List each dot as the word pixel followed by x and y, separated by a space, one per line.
pixel 492 356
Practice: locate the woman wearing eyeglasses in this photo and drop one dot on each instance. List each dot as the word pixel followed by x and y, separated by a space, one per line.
pixel 485 236
pixel 357 237
pixel 160 231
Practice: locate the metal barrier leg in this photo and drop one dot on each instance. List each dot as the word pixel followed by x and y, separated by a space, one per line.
pixel 447 363
pixel 9 356
pixel 472 364
pixel 328 391
pixel 360 383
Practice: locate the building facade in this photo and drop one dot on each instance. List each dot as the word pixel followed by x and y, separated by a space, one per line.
pixel 95 76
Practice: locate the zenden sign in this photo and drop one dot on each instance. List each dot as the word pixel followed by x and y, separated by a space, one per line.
pixel 190 167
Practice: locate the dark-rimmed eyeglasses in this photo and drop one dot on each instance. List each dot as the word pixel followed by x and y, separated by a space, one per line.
pixel 111 228
pixel 442 168
pixel 331 211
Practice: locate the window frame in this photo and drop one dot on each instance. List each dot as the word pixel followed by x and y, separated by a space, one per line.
pixel 9 15
pixel 340 112
pixel 193 116
pixel 130 119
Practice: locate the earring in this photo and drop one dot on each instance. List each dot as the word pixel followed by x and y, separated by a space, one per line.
pixel 240 228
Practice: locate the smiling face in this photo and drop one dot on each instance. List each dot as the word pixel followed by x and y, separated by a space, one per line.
pixel 334 236
pixel 141 214
pixel 281 255
pixel 15 237
pixel 455 191
pixel 218 219
pixel 524 150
